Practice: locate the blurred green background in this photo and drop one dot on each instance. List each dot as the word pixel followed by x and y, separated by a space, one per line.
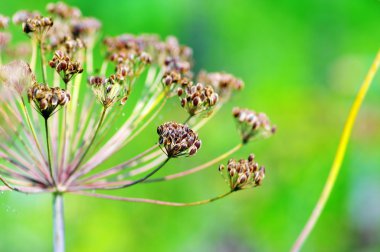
pixel 302 62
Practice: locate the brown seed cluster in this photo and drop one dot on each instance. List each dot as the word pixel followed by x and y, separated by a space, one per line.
pixel 243 174
pixel 178 140
pixel 252 124
pixel 47 99
pixel 63 11
pixel 38 25
pixel 223 83
pixel 197 99
pixel 108 91
pixel 4 21
pixel 65 66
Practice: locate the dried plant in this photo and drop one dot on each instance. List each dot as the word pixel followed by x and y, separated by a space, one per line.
pixel 56 130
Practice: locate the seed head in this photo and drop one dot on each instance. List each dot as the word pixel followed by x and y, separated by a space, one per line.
pixel 178 140
pixel 63 11
pixel 108 91
pixel 38 25
pixel 197 98
pixel 223 83
pixel 242 174
pixel 252 124
pixel 46 99
pixel 64 66
pixel 23 15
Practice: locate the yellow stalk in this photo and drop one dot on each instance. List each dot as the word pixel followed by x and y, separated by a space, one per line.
pixel 338 156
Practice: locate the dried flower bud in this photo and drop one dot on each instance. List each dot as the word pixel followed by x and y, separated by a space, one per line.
pixel 178 140
pixel 243 174
pixel 46 99
pixel 252 124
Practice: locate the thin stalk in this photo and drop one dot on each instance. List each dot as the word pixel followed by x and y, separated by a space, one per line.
pixel 58 223
pixel 141 179
pixel 42 57
pixel 338 156
pixel 151 201
pixel 91 142
pixel 48 150
pixel 7 185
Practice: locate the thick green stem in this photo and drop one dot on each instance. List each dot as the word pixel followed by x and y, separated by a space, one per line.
pixel 58 223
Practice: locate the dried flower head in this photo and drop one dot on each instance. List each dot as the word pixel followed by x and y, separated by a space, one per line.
pixel 178 140
pixel 65 66
pixel 46 99
pixel 252 124
pixel 243 174
pixel 23 15
pixel 63 10
pixel 38 26
pixel 17 75
pixel 4 21
pixel 197 99
pixel 223 83
pixel 86 29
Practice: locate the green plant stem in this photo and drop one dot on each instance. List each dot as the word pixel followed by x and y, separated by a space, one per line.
pixel 151 201
pixel 33 59
pixel 338 156
pixel 91 142
pixel 58 223
pixel 48 150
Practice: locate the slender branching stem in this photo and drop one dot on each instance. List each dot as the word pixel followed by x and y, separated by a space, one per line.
pixel 58 223
pixel 151 201
pixel 198 168
pixel 338 156
pixel 49 151
pixel 188 119
pixel 102 116
pixel 7 184
pixel 141 179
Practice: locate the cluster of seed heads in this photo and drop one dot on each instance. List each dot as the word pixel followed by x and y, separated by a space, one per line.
pixel 243 174
pixel 223 83
pixel 197 98
pixel 64 66
pixel 47 99
pixel 252 124
pixel 178 140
